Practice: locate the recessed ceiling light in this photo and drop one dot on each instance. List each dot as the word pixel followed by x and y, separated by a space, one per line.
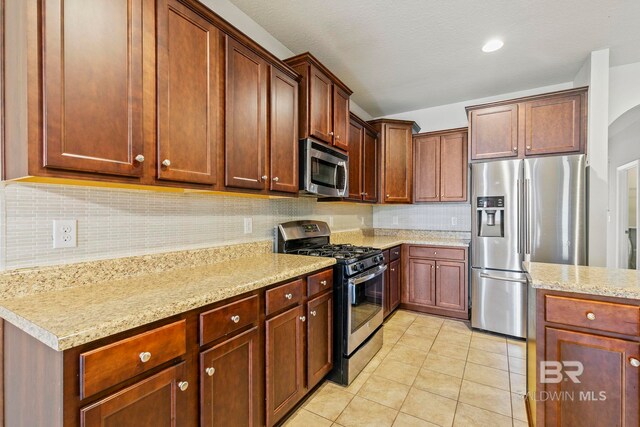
pixel 492 45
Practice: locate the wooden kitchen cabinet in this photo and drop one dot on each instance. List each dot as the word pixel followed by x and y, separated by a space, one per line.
pixel 230 382
pixel 396 159
pixel 190 95
pixel 392 279
pixel 436 281
pixel 547 124
pixel 323 102
pixel 440 164
pixel 319 338
pixel 363 161
pixel 283 141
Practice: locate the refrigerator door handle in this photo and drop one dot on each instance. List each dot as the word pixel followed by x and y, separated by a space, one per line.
pixel 504 279
pixel 527 217
pixel 519 201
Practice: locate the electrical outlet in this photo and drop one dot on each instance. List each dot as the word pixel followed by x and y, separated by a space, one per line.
pixel 395 220
pixel 330 221
pixel 65 233
pixel 248 225
pixel 454 220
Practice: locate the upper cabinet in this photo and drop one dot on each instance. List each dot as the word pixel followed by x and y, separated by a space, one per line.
pixel 324 102
pixel 363 161
pixel 552 123
pixel 440 165
pixel 396 159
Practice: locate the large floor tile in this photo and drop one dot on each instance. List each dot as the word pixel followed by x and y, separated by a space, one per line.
pixel 416 341
pixel 471 416
pixel 423 331
pixel 400 319
pixel 517 349
pixel 444 364
pixel 438 383
pixel 397 371
pixel 485 358
pixel 453 337
pixel 518 383
pixel 486 397
pixel 408 355
pixel 357 383
pixel 518 423
pixel 488 376
pixel 329 402
pixel 384 391
pixel 518 407
pixel 492 346
pixel 429 321
pixel 365 413
pixel 304 418
pixel 458 326
pixel 373 363
pixel 391 334
pixel 489 335
pixel 429 407
pixel 406 420
pixel 450 350
pixel 517 365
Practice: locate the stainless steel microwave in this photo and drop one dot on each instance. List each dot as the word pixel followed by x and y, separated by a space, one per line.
pixel 324 171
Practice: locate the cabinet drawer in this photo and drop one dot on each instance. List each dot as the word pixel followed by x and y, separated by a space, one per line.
pixel 437 252
pixel 109 365
pixel 284 296
pixel 602 316
pixel 394 253
pixel 319 282
pixel 223 320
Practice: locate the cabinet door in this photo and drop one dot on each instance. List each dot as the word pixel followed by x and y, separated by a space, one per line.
pixel 319 338
pixel 453 167
pixel 370 167
pixel 385 301
pixel 607 374
pixel 92 58
pixel 284 133
pixel 246 118
pixel 494 132
pixel 421 289
pixel 340 118
pixel 285 363
pixel 427 168
pixel 155 401
pixel 394 285
pixel 320 105
pixel 190 101
pixel 451 285
pixel 230 382
pixel 553 125
pixel 398 165
pixel 356 141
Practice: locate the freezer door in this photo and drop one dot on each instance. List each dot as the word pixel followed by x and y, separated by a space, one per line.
pixel 497 179
pixel 499 302
pixel 555 210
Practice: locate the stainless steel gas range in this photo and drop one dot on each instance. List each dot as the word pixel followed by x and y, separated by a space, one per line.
pixel 358 293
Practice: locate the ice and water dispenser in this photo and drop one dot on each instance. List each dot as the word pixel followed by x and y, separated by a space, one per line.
pixel 490 216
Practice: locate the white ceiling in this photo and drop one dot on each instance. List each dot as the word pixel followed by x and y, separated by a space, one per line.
pixel 404 55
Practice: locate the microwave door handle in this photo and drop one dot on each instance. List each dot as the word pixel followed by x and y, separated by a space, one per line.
pixel 343 165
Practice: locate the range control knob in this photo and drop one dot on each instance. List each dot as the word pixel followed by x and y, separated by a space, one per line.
pixel 360 266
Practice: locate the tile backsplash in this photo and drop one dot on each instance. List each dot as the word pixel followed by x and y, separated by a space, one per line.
pixel 116 223
pixel 441 216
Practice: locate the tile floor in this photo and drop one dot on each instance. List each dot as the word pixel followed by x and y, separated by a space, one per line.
pixel 430 372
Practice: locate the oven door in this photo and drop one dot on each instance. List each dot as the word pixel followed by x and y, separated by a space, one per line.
pixel 364 311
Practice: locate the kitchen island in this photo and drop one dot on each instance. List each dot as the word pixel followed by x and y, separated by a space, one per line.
pixel 583 347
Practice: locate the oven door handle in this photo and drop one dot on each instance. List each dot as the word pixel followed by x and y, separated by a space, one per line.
pixel 359 279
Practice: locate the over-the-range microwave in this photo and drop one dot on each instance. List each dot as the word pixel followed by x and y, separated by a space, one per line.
pixel 324 171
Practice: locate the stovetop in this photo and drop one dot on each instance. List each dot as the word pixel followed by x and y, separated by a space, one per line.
pixel 345 252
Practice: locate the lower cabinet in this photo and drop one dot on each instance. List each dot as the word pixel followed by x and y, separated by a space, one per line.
pixel 319 338
pixel 230 382
pixel 437 281
pixel 156 401
pixel 392 279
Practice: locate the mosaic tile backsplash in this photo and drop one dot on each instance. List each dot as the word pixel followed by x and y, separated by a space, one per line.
pixel 115 223
pixel 441 217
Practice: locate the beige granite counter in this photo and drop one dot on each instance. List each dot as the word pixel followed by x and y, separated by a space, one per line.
pixel 585 280
pixel 68 317
pixel 385 238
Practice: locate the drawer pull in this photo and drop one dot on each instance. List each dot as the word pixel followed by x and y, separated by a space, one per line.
pixel 313 313
pixel 634 362
pixel 139 158
pixel 435 253
pixel 288 296
pixel 235 318
pixel 302 318
pixel 145 356
pixel 396 253
pixel 591 316
pixel 183 385
pixel 393 269
pixel 323 282
pixel 210 371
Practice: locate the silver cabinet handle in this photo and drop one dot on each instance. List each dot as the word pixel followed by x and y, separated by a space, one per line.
pixel 435 253
pixel 396 253
pixel 337 136
pixel 276 179
pixel 210 371
pixel 634 362
pixel 505 279
pixel 183 385
pixel 288 296
pixel 323 282
pixel 265 177
pixel 313 313
pixel 166 163
pixel 528 147
pixel 139 158
pixel 591 316
pixel 515 149
pixel 145 356
pixel 235 318
pixel 388 195
pixel 330 133
pixel 303 318
pixel 393 269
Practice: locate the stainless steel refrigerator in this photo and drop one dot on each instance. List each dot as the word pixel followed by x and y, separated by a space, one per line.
pixel 523 210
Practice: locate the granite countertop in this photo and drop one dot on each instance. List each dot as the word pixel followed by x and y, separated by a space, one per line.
pixel 394 238
pixel 601 281
pixel 69 317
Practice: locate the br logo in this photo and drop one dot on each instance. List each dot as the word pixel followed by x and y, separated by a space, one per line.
pixel 552 372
